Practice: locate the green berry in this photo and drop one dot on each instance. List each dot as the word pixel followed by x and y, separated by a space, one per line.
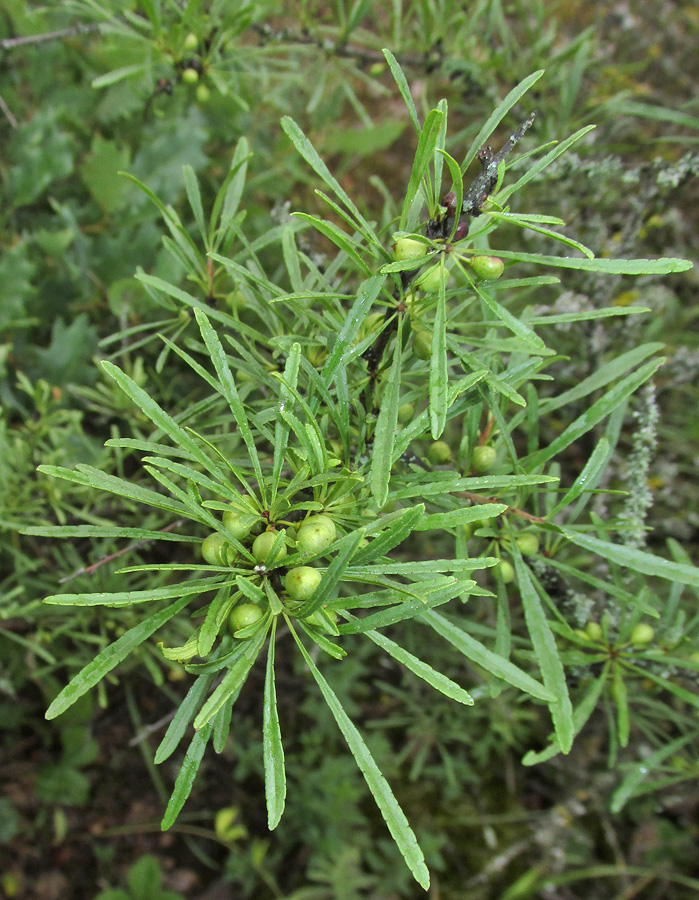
pixel 406 248
pixel 316 534
pixel 405 412
pixel 432 279
pixel 243 615
pixel 439 453
pixel 376 69
pixel 191 42
pixel 483 458
pixel 506 571
pixel 488 266
pixel 202 93
pixel 216 550
pixel 528 544
pixel 239 524
pixel 642 634
pixel 190 76
pixel 422 344
pixel 594 631
pixel 301 582
pixel 262 547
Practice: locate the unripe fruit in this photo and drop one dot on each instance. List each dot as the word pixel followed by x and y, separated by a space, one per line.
pixel 439 453
pixel 488 266
pixel 483 458
pixel 243 615
pixel 316 534
pixel 376 69
pixel 262 547
pixel 432 279
pixel 191 42
pixel 528 544
pixel 301 582
pixel 190 76
pixel 642 634
pixel 202 93
pixel 406 248
pixel 594 631
pixel 506 571
pixel 405 412
pixel 694 657
pixel 216 550
pixel 239 525
pixel 422 344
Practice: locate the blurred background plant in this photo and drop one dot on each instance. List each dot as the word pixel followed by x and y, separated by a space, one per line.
pixel 89 89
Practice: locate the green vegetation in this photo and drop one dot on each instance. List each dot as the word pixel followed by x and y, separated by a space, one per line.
pixel 346 369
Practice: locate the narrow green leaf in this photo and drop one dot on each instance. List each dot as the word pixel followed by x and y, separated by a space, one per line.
pixel 594 414
pixel 403 87
pixel 117 75
pixel 272 749
pixel 426 144
pixel 186 776
pixel 230 392
pixel 634 778
pixel 479 654
pixel 194 197
pixel 463 516
pixel 393 815
pixel 546 653
pixel 386 426
pixel 184 715
pixel 401 526
pixel 111 531
pixel 435 679
pixel 234 678
pixel 439 376
pixel 344 550
pixel 128 598
pixel 662 266
pixel 110 657
pixel 588 478
pixel 637 560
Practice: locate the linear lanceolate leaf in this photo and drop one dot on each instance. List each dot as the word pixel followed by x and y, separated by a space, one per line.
pixel 159 417
pixel 402 524
pixel 112 531
pixel 128 598
pixel 427 141
pixel 110 657
pixel 233 679
pixel 184 715
pixel 272 749
pixel 637 560
pixel 393 815
pixel 482 656
pixel 434 678
pixel 662 266
pixel 403 87
pixel 344 550
pixel 594 414
pixel 456 517
pixel 386 426
pixel 439 376
pixel 229 390
pixel 546 653
pixel 186 776
pixel 281 428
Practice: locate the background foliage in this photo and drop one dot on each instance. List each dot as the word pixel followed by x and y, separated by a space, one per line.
pixel 82 799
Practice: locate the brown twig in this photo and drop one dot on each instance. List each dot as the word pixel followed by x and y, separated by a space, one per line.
pixel 88 570
pixel 11 43
pixel 512 510
pixel 8 113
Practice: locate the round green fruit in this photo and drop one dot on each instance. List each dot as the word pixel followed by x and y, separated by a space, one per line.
pixel 432 279
pixel 405 412
pixel 243 615
pixel 202 93
pixel 439 453
pixel 191 42
pixel 422 344
pixel 190 76
pixel 488 266
pixel 216 550
pixel 406 248
pixel 316 534
pixel 528 544
pixel 483 458
pixel 240 525
pixel 262 547
pixel 505 571
pixel 642 634
pixel 301 582
pixel 594 631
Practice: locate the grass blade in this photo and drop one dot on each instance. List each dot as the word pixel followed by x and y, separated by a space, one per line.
pixel 272 749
